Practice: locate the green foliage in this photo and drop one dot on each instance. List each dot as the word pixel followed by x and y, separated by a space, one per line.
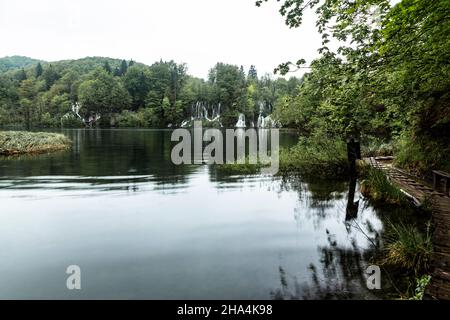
pixel 421 285
pixel 318 156
pixel 420 154
pixel 16 62
pixel 375 147
pixel 106 87
pixel 377 186
pixel 71 121
pixel 239 169
pixel 102 93
pixel 389 75
pixel 409 248
pixel 129 119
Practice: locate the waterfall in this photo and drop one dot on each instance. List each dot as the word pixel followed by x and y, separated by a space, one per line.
pixel 261 121
pixel 241 121
pixel 202 111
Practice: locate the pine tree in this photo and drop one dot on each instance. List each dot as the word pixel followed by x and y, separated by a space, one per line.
pixel 116 72
pixel 38 70
pixel 107 67
pixel 123 68
pixel 131 63
pixel 252 73
pixel 21 75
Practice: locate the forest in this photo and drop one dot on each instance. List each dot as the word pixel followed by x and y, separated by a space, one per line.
pixel 38 94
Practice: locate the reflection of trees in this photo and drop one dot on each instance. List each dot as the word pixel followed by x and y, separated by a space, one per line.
pixel 340 273
pixel 99 153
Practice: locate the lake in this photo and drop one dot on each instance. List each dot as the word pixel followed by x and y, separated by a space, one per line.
pixel 140 227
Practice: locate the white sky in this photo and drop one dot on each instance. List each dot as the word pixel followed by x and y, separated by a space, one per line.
pixel 197 32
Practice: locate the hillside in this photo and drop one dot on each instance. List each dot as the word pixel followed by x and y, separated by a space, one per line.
pixel 16 62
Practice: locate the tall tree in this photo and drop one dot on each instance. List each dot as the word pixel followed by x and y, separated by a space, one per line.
pixel 252 73
pixel 21 75
pixel 107 67
pixel 50 76
pixel 103 94
pixel 27 95
pixel 137 81
pixel 123 68
pixel 38 71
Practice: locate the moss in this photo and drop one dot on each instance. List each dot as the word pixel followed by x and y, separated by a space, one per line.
pixel 22 142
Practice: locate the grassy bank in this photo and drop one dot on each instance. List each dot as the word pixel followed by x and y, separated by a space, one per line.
pixel 22 142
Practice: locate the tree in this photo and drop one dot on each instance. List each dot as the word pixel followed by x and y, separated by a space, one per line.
pixel 107 67
pixel 252 73
pixel 103 94
pixel 27 95
pixel 123 68
pixel 389 75
pixel 21 75
pixel 50 76
pixel 38 71
pixel 137 81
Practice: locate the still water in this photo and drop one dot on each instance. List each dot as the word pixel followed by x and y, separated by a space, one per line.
pixel 140 227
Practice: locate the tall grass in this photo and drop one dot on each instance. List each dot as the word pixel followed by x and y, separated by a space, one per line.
pixel 21 142
pixel 377 187
pixel 409 248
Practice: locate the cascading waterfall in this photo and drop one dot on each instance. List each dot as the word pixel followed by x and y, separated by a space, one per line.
pixel 241 121
pixel 201 110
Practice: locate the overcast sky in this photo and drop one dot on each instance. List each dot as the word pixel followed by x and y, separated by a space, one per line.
pixel 197 32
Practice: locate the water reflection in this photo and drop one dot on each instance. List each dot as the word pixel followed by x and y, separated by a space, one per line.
pixel 141 227
pixel 340 271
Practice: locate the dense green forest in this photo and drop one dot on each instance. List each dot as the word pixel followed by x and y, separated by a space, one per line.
pixel 129 94
pixel 388 79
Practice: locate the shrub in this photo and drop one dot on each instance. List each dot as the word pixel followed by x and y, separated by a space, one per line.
pixel 421 155
pixel 128 119
pixel 408 248
pixel 71 121
pixel 317 155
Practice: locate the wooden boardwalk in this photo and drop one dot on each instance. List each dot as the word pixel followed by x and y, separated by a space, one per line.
pixel 418 192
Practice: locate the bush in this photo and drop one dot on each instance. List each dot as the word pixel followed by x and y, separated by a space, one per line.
pixel 144 118
pixel 373 147
pixel 71 121
pixel 128 119
pixel 239 169
pixel 408 248
pixel 317 155
pixel 421 155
